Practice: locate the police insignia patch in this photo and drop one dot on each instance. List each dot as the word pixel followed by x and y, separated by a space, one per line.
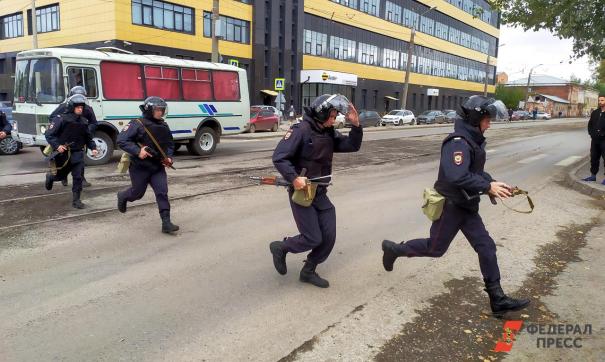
pixel 288 134
pixel 126 127
pixel 51 126
pixel 458 159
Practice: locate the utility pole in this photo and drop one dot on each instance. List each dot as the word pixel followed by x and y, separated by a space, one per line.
pixel 34 25
pixel 406 85
pixel 528 82
pixel 486 76
pixel 215 18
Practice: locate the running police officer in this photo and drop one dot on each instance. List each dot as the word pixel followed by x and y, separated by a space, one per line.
pixel 310 145
pixel 88 113
pixel 461 181
pixel 5 126
pixel 68 133
pixel 148 140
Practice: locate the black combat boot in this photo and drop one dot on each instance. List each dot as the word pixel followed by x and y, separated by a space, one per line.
pixel 279 251
pixel 500 302
pixel 390 254
pixel 49 181
pixel 121 203
pixel 76 203
pixel 167 226
pixel 308 275
pixel 85 183
pixel 64 181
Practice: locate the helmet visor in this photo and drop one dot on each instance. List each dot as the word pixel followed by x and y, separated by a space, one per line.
pixel 164 110
pixel 340 103
pixel 497 110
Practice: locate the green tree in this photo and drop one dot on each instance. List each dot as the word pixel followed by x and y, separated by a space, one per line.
pixel 580 20
pixel 510 96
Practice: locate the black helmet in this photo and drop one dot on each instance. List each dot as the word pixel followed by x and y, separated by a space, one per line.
pixel 152 103
pixel 77 90
pixel 477 107
pixel 322 106
pixel 75 101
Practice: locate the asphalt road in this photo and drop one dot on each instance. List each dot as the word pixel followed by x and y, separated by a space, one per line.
pixel 99 285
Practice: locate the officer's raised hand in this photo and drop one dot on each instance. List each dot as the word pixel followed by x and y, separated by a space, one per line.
pixel 143 154
pixel 353 116
pixel 299 183
pixel 500 189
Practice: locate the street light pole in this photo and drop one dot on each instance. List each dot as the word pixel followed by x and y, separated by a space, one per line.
pixel 34 25
pixel 406 85
pixel 528 82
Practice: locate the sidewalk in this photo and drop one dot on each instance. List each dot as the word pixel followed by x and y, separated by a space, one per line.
pixel 284 127
pixel 574 178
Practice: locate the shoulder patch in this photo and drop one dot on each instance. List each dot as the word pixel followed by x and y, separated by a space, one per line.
pixel 288 134
pixel 126 127
pixel 458 158
pixel 51 125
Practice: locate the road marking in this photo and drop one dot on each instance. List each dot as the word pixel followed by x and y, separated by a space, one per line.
pixel 533 158
pixel 491 151
pixel 568 161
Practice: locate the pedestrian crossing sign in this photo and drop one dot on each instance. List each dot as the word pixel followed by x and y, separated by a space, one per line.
pixel 280 84
pixel 234 62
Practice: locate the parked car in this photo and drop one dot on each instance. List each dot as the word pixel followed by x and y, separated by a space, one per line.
pixel 367 119
pixel 267 108
pixel 450 116
pixel 520 115
pixel 431 116
pixel 263 119
pixel 9 146
pixel 398 117
pixel 543 115
pixel 446 111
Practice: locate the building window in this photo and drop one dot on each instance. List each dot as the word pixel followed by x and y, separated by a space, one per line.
pixel 371 7
pixel 368 54
pixel 315 43
pixel 122 81
pixel 343 49
pixel 231 29
pixel 163 15
pixel 348 3
pixel 410 18
pixel 11 26
pixel 47 19
pixel 393 12
pixel 390 59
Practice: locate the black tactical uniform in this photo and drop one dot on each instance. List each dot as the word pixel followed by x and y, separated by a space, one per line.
pixel 596 130
pixel 461 181
pixel 151 170
pixel 70 130
pixel 310 146
pixel 88 113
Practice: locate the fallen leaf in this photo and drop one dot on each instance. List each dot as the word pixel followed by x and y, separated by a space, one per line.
pixel 467 331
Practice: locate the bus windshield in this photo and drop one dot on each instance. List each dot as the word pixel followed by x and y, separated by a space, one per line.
pixel 39 81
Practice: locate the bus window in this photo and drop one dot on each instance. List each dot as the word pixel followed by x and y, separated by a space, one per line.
pixel 45 84
pixel 162 82
pixel 122 81
pixel 226 86
pixel 21 77
pixel 196 85
pixel 85 77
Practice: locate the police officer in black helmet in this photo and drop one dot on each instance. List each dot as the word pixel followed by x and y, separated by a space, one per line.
pixel 310 145
pixel 68 133
pixel 461 181
pixel 147 165
pixel 88 113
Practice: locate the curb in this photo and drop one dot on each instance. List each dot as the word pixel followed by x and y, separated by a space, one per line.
pixel 589 189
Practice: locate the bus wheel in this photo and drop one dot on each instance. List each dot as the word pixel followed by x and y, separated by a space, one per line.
pixel 104 147
pixel 204 142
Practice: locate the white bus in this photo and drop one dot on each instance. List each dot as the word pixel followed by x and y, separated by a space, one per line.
pixel 205 100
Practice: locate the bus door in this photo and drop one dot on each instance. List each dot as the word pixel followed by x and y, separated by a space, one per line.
pixel 86 76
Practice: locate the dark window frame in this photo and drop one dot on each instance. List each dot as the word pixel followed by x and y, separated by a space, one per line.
pixel 14 24
pixel 30 30
pixel 178 12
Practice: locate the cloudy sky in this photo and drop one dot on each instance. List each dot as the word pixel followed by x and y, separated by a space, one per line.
pixel 522 50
